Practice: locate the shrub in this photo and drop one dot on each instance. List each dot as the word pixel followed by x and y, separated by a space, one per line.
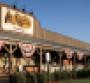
pixel 20 77
pixel 88 71
pixel 85 73
pixel 42 77
pixel 30 78
pixel 54 77
pixel 61 75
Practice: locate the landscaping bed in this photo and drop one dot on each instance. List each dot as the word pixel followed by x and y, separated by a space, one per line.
pixel 80 76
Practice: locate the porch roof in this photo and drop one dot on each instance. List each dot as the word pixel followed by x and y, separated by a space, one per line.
pixel 8 35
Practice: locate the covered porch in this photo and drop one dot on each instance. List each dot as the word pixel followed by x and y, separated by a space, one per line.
pixel 12 58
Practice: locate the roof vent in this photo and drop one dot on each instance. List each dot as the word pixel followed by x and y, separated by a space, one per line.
pixel 23 10
pixel 31 13
pixel 14 6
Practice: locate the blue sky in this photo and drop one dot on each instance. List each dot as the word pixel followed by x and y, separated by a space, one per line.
pixel 69 17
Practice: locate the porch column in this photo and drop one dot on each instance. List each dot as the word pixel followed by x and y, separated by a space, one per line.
pixel 41 59
pixel 74 59
pixel 10 51
pixel 10 58
pixel 85 63
pixel 60 59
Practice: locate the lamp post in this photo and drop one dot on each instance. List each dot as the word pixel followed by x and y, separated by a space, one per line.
pixel 48 58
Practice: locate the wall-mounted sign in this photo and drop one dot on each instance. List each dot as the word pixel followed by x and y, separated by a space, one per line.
pixel 69 53
pixel 27 49
pixel 15 20
pixel 80 55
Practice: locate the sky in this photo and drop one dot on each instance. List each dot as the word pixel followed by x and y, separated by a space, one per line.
pixel 68 17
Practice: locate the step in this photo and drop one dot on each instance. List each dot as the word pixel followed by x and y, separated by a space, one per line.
pixel 4 79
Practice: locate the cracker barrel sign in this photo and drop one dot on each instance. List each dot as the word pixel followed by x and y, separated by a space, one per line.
pixel 15 20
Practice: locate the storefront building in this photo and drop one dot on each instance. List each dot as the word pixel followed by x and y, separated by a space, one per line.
pixel 25 45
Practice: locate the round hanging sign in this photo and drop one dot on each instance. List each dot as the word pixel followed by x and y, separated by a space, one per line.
pixel 27 50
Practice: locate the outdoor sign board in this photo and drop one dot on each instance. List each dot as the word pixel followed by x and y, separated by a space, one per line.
pixel 17 21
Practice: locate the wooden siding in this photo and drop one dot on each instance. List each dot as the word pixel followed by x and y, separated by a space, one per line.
pixel 41 33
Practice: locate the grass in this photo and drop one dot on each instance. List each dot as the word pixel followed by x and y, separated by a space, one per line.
pixel 77 81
